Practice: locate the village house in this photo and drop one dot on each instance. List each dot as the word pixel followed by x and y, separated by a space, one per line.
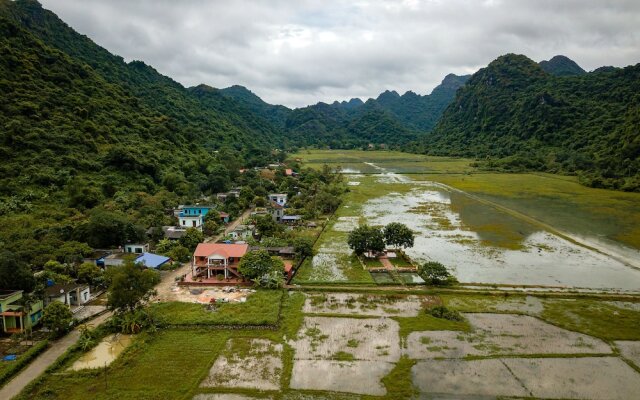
pixel 173 232
pixel 291 219
pixel 278 198
pixel 193 216
pixel 276 211
pixel 71 294
pixel 15 319
pixel 242 232
pixel 211 259
pixel 146 259
pixel 136 248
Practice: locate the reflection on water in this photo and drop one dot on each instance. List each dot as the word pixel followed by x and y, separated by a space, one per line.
pixel 104 353
pixel 482 244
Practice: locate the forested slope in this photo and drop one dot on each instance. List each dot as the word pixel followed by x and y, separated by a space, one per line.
pixel 524 118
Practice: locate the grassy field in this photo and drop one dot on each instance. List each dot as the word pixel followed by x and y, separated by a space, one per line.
pixel 261 308
pixel 394 161
pixel 559 201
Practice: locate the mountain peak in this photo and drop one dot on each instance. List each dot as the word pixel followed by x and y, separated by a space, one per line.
pixel 562 66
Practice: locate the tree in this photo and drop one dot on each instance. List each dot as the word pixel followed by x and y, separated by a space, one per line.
pixel 131 286
pixel 434 273
pixel 15 274
pixel 210 227
pixel 365 238
pixel 266 226
pixel 192 237
pixel 398 235
pixel 90 274
pixel 303 247
pixel 179 253
pixel 58 318
pixel 257 263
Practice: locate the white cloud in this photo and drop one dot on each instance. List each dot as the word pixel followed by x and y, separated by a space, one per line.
pixel 301 52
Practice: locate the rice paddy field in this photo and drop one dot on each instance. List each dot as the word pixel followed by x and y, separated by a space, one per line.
pixel 487 228
pixel 377 346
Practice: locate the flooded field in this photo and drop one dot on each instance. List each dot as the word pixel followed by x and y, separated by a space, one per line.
pixel 104 353
pixel 478 240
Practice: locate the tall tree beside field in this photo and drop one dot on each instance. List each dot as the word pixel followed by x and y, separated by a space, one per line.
pixel 57 318
pixel 366 238
pixel 130 287
pixel 398 235
pixel 256 264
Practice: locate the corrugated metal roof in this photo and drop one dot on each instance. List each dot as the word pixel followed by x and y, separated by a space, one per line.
pixel 151 260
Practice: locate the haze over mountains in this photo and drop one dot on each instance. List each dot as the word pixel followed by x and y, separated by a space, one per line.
pixel 64 97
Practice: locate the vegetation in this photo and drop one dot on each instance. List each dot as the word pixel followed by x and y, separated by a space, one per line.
pixel 398 235
pixel 9 370
pixel 514 116
pixel 257 263
pixel 130 287
pixel 261 308
pixel 57 318
pixel 445 313
pixel 366 239
pixel 436 274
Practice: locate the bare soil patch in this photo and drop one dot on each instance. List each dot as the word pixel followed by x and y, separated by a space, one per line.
pixel 362 377
pixel 247 363
pixel 362 304
pixel 630 350
pixel 225 396
pixel 477 377
pixel 347 339
pixel 605 378
pixel 502 334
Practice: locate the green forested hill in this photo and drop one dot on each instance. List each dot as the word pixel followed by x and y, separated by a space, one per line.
pixel 90 144
pixel 562 66
pixel 522 117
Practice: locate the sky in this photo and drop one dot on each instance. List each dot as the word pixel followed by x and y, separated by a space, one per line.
pixel 300 52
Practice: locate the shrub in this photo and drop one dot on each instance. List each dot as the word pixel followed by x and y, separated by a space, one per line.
pixel 445 313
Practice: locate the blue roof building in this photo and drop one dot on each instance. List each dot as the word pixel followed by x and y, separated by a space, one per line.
pixel 151 260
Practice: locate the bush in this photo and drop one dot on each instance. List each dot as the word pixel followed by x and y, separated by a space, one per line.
pixel 436 274
pixel 445 313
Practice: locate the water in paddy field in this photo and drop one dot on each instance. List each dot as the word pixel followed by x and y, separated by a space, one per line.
pixel 104 353
pixel 482 244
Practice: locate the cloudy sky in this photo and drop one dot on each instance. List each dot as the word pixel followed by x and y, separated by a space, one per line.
pixel 299 52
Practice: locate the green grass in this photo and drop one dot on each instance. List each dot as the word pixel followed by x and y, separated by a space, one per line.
pixel 261 308
pixel 426 322
pixel 167 365
pixel 593 318
pixel 399 383
pixel 559 201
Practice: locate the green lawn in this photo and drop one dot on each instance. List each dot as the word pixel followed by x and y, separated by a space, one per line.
pixel 261 308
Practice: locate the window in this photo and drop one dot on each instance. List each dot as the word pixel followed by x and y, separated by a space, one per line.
pixel 138 250
pixel 184 222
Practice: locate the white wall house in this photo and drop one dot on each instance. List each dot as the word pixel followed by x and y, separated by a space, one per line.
pixel 137 248
pixel 278 198
pixel 190 221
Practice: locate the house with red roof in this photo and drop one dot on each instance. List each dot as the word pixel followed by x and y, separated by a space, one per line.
pixel 211 259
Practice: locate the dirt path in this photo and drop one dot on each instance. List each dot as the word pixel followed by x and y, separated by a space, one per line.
pixel 384 260
pixel 44 360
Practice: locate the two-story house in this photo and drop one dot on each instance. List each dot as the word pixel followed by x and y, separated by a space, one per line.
pixel 15 316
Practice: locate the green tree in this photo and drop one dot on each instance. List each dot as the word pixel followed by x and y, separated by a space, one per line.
pixel 130 287
pixel 398 235
pixel 303 247
pixel 266 226
pixel 58 318
pixel 257 263
pixel 192 237
pixel 436 274
pixel 90 274
pixel 179 253
pixel 210 227
pixel 15 274
pixel 365 238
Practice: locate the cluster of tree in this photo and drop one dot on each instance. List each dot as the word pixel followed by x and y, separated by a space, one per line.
pixel 367 238
pixel 265 270
pixel 514 116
